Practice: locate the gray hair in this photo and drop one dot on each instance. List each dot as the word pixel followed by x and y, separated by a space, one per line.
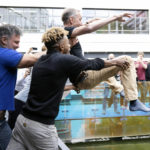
pixel 68 12
pixel 9 30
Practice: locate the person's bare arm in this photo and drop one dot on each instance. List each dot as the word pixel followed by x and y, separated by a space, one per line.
pixel 117 62
pixel 144 65
pixel 69 87
pixel 139 60
pixel 136 65
pixel 95 25
pixel 28 60
pixel 29 50
pixel 92 20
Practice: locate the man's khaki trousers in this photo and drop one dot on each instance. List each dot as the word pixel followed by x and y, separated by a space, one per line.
pixel 115 85
pixel 128 78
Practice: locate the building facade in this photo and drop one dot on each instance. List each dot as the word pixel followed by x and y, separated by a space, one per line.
pixel 129 37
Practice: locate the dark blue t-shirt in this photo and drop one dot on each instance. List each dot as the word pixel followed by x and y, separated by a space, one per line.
pixel 76 50
pixel 9 60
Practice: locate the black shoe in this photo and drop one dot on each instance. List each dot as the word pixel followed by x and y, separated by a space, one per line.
pixel 138 106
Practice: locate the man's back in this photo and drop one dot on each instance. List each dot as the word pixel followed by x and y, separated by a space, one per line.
pixel 48 80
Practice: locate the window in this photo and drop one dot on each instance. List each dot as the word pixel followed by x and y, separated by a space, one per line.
pixel 39 19
pixel 138 24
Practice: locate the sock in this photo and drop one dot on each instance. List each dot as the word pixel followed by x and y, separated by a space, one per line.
pixel 132 103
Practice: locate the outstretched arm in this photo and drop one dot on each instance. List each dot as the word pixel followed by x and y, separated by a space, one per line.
pixel 117 62
pixel 28 60
pixel 92 20
pixel 95 25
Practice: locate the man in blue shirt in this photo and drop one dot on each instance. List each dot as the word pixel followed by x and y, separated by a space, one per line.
pixel 10 60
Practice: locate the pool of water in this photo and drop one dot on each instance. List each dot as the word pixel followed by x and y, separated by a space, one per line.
pixel 140 144
pixel 88 115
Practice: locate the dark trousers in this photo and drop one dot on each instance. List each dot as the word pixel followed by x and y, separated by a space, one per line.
pixel 14 114
pixel 5 134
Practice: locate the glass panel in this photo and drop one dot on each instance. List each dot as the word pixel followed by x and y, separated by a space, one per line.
pixel 89 13
pixel 132 25
pixel 99 113
pixel 103 29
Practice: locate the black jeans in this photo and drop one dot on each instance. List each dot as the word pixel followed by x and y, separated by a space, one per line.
pixel 14 114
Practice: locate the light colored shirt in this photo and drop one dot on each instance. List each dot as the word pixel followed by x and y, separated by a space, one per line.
pixel 23 94
pixel 20 83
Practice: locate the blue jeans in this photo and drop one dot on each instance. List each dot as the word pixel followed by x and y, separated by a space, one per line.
pixel 5 134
